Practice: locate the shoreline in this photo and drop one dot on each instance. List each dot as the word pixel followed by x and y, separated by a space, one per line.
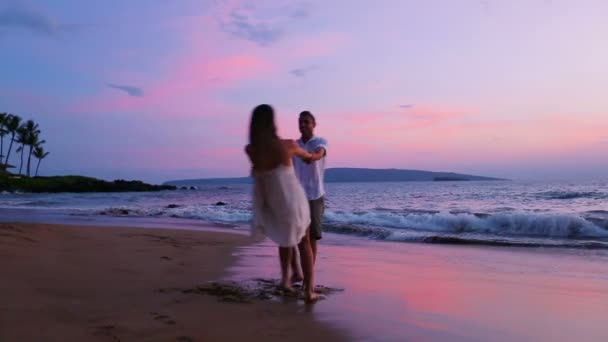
pixel 379 234
pixel 103 283
pixel 113 283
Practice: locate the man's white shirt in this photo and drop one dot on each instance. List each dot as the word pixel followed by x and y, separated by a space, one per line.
pixel 311 174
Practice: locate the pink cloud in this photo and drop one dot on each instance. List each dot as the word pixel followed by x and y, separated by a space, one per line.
pixel 317 45
pixel 179 157
pixel 432 135
pixel 195 79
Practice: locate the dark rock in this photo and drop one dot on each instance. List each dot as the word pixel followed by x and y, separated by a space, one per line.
pixel 172 206
pixel 220 203
pixel 192 188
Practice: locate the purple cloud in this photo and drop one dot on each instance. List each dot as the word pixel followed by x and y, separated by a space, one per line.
pixel 302 72
pixel 130 90
pixel 241 26
pixel 30 20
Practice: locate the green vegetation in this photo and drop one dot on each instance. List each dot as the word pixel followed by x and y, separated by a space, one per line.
pixel 26 136
pixel 73 184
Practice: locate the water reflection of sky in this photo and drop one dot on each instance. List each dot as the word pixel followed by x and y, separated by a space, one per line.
pixel 395 291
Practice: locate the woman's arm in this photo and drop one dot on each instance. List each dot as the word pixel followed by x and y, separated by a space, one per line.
pixel 295 150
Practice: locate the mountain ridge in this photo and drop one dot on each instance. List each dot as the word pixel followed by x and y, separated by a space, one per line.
pixel 356 175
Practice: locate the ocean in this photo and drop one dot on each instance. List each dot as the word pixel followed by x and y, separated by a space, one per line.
pixel 497 213
pixel 420 261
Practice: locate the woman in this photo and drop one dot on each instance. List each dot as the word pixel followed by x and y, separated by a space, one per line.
pixel 280 207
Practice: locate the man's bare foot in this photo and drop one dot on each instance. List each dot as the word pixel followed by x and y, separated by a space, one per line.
pixel 311 297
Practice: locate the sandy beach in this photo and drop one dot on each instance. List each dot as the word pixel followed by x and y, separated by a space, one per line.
pixel 75 283
pixel 112 283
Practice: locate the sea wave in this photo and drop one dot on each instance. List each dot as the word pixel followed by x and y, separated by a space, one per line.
pixel 210 213
pixel 213 213
pixel 388 234
pixel 39 203
pixel 508 224
pixel 566 195
pixel 520 229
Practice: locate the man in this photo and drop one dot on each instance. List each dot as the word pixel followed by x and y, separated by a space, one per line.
pixel 310 173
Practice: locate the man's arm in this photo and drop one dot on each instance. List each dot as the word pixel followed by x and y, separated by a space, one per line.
pixel 318 154
pixel 320 150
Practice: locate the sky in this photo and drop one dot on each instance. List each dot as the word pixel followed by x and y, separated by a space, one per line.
pixel 160 90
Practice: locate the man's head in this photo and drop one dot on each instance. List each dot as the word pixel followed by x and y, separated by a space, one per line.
pixel 307 124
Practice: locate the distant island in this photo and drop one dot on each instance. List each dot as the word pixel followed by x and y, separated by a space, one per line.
pixel 355 175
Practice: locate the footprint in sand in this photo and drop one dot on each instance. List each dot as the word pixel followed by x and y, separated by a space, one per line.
pixel 106 331
pixel 249 291
pixel 163 318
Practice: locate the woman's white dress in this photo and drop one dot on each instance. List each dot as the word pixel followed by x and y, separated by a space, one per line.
pixel 280 207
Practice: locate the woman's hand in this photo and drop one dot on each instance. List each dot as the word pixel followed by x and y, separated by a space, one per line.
pixel 307 158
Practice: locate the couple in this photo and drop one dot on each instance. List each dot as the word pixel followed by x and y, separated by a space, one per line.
pixel 288 192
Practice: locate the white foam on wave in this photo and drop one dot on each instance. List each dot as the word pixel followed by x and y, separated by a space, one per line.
pixel 520 224
pixel 543 225
pixel 213 213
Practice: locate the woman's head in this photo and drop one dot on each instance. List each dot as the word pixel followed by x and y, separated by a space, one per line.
pixel 262 128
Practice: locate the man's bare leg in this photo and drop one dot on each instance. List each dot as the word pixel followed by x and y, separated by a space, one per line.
pixel 313 246
pixel 308 268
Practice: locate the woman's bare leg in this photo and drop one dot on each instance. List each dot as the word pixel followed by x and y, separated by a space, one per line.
pixel 308 268
pixel 295 267
pixel 285 255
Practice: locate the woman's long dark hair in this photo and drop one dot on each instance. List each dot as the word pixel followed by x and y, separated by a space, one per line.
pixel 262 130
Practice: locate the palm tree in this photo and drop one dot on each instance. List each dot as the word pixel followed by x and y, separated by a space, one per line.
pixel 33 142
pixel 22 138
pixel 39 154
pixel 28 136
pixel 12 124
pixel 3 132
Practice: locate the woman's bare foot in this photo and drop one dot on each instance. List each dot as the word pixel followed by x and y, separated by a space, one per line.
pixel 286 285
pixel 297 277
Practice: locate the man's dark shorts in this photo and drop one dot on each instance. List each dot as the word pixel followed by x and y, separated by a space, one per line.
pixel 317 208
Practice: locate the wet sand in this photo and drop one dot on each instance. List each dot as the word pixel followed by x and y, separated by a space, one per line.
pixel 77 283
pixel 415 292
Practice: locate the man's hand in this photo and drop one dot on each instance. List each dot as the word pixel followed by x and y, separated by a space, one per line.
pixel 318 154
